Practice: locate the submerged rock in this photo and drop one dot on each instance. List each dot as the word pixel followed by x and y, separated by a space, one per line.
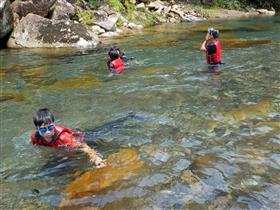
pixel 11 95
pixel 189 178
pixel 121 165
pixel 76 83
pixel 243 43
pixel 244 112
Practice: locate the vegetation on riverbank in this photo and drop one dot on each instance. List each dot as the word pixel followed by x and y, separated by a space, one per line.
pixel 243 5
pixel 205 8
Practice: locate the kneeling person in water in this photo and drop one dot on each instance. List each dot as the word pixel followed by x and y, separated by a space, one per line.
pixel 51 135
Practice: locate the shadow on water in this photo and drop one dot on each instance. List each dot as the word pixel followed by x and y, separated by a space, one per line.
pixel 91 134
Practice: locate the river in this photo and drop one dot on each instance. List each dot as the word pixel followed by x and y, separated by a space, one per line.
pixel 208 141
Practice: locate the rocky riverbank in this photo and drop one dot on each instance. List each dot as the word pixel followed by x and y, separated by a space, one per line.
pixel 66 23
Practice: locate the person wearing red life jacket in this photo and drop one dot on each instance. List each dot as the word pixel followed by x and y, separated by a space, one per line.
pixel 212 47
pixel 51 135
pixel 115 62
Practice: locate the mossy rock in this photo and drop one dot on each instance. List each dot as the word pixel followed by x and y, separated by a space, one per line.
pixel 11 95
pixel 76 83
pixel 243 43
pixel 121 165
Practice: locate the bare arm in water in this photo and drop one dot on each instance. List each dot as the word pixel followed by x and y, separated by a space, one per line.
pixel 94 156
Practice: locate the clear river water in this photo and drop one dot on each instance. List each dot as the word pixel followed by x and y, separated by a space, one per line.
pixel 205 140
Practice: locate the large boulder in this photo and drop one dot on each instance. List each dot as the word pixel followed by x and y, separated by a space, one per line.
pixel 6 19
pixel 109 24
pixel 38 7
pixel 62 10
pixel 35 31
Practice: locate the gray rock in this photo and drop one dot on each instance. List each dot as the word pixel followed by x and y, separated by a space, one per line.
pixel 6 19
pixel 265 12
pixel 35 31
pixel 191 18
pixel 140 6
pixel 97 30
pixel 181 165
pixel 38 7
pixel 62 10
pixel 109 24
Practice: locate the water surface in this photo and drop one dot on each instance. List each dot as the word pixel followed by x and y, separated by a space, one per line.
pixel 207 140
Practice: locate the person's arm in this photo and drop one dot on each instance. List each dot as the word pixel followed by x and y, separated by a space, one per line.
pixel 111 67
pixel 94 156
pixel 203 45
pixel 68 139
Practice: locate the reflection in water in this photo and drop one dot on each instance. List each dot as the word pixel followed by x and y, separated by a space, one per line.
pixel 210 140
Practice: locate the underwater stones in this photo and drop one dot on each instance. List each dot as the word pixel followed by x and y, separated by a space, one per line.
pixel 222 202
pixel 76 83
pixel 154 180
pixel 189 178
pixel 244 112
pixel 8 96
pixel 202 162
pixel 155 154
pixel 121 165
pixel 182 165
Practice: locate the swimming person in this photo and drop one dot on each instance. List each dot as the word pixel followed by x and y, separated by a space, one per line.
pixel 115 62
pixel 49 134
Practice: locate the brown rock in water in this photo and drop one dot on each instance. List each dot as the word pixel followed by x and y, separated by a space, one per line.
pixel 244 112
pixel 243 43
pixel 120 166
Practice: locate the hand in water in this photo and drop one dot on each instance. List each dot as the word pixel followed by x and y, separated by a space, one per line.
pixel 97 159
pixel 99 162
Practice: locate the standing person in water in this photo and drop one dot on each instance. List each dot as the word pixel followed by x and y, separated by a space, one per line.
pixel 212 47
pixel 52 135
pixel 115 62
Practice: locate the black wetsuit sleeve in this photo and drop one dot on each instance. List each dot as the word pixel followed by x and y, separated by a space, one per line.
pixel 111 67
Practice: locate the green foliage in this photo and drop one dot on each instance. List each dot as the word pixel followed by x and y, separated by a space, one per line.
pixel 93 4
pixel 85 18
pixel 229 4
pixel 128 5
pixel 145 18
pixel 119 23
pixel 117 5
pixel 266 4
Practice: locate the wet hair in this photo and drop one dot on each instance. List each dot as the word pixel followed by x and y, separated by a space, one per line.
pixel 215 33
pixel 114 54
pixel 113 50
pixel 43 116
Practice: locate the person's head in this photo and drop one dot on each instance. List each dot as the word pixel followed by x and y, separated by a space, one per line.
pixel 114 54
pixel 213 32
pixel 44 122
pixel 115 49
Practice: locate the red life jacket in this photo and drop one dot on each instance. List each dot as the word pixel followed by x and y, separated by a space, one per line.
pixel 118 65
pixel 37 139
pixel 213 52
